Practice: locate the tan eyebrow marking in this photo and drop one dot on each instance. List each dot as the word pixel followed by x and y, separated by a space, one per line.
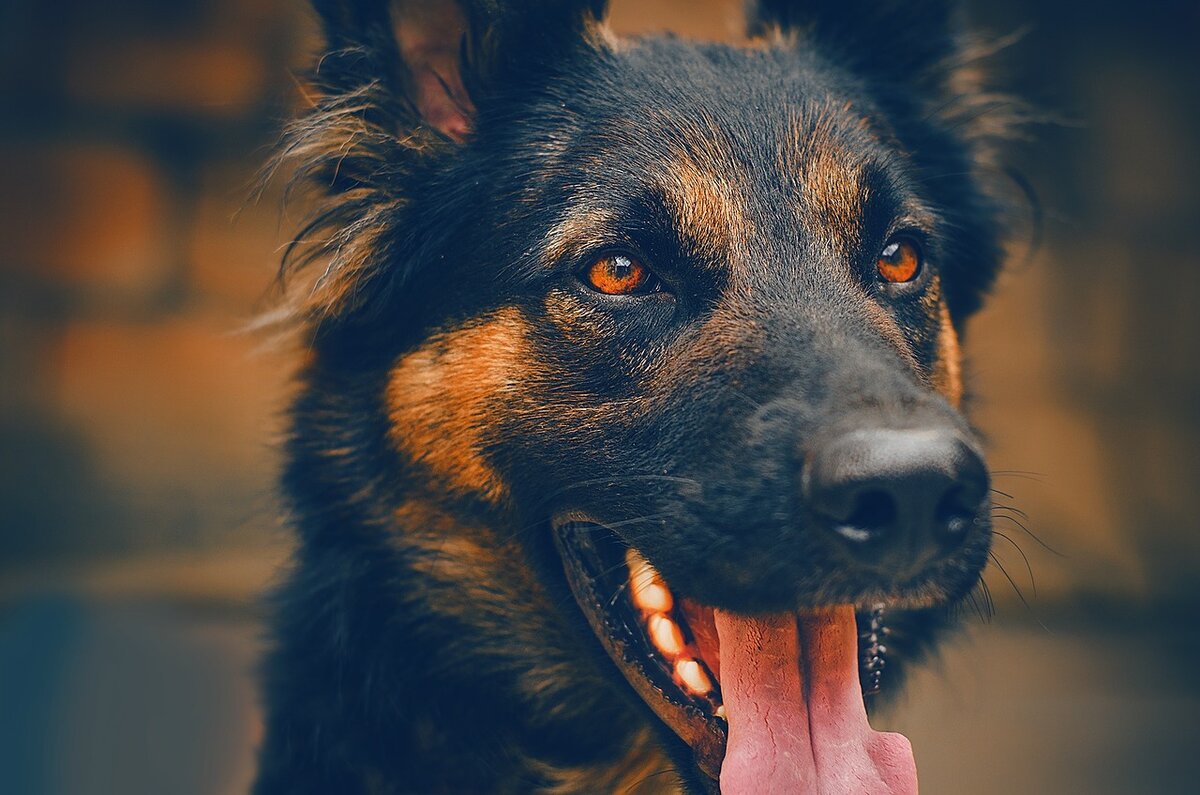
pixel 706 206
pixel 575 231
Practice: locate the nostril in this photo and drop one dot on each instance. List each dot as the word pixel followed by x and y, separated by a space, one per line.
pixel 873 513
pixel 955 513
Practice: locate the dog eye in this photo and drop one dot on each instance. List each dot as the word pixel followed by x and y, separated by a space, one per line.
pixel 619 274
pixel 900 261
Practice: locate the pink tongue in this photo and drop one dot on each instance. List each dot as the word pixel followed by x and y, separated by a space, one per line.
pixel 784 739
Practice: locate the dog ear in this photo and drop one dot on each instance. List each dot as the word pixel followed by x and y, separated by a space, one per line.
pixel 434 55
pixel 889 40
pixel 395 88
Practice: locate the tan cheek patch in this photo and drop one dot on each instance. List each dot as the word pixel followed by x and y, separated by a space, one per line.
pixel 443 397
pixel 947 371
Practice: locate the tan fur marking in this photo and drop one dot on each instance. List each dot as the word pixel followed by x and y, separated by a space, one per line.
pixel 579 229
pixel 706 206
pixel 833 190
pixel 947 371
pixel 441 397
pixel 832 186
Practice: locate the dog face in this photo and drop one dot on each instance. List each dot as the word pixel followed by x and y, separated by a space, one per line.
pixel 670 328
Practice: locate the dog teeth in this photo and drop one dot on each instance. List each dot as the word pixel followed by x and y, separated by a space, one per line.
pixel 665 634
pixel 650 593
pixel 655 602
pixel 720 713
pixel 693 676
pixel 654 597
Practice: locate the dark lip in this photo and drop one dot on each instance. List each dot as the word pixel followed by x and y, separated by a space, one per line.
pixel 589 571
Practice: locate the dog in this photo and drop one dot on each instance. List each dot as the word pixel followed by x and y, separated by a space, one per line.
pixel 628 452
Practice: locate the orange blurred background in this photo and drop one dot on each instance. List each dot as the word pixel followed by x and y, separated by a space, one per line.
pixel 138 516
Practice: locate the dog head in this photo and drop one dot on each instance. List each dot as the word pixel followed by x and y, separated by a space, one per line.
pixel 681 320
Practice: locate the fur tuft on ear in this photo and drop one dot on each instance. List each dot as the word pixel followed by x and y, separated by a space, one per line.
pixel 396 87
pixel 889 39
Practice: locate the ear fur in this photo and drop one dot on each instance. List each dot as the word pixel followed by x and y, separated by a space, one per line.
pixel 886 38
pixel 433 54
pixel 395 87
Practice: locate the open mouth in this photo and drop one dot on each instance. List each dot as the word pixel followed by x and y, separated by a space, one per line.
pixel 766 703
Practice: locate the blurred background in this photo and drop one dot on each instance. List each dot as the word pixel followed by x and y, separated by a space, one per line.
pixel 138 517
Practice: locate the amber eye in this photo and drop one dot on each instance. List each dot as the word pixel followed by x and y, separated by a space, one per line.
pixel 618 274
pixel 900 261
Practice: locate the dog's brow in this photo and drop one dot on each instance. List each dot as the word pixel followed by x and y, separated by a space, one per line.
pixel 833 187
pixel 580 227
pixel 706 207
pixel 833 191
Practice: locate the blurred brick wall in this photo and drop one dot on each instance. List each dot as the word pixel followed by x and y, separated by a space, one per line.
pixel 135 422
pixel 134 417
pixel 1088 361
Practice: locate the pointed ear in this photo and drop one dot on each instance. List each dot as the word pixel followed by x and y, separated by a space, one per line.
pixel 397 85
pixel 905 41
pixel 432 55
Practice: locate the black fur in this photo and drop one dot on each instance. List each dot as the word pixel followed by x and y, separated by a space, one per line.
pixel 387 678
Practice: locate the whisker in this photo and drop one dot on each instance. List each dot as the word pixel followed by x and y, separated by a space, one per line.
pixel 1021 552
pixel 1012 508
pixel 987 596
pixel 975 606
pixel 1020 595
pixel 1032 535
pixel 666 771
pixel 1037 477
pixel 620 589
pixel 625 522
pixel 756 404
pixel 615 479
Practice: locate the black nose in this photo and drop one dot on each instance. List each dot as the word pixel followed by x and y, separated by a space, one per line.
pixel 895 500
